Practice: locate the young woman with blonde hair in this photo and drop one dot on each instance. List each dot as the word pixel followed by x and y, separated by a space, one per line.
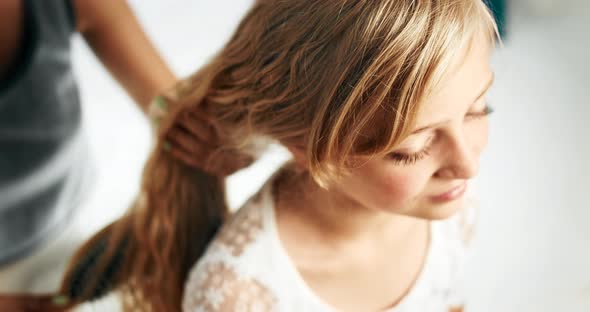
pixel 381 103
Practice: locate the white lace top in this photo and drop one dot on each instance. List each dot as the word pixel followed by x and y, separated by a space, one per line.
pixel 246 268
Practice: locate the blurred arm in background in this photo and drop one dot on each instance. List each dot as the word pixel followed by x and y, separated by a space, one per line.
pixel 116 37
pixel 114 34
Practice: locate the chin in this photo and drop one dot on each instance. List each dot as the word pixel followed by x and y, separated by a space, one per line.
pixel 440 211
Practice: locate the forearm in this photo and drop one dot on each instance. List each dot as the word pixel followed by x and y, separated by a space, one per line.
pixel 115 36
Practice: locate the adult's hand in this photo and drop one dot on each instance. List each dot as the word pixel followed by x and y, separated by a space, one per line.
pixel 196 140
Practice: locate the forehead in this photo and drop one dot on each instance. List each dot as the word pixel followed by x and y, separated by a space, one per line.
pixel 466 79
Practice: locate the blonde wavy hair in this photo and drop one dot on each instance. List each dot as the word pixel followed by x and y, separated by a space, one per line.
pixel 337 78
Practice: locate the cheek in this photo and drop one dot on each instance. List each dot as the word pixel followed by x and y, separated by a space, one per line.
pixel 397 187
pixel 479 136
pixel 400 186
pixel 485 136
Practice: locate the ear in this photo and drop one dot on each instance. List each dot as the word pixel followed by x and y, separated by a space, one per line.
pixel 299 156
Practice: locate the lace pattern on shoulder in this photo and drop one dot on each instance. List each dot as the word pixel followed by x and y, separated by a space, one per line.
pixel 217 284
pixel 241 232
pixel 219 289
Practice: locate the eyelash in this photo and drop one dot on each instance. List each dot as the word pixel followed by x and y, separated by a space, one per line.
pixel 410 159
pixel 488 110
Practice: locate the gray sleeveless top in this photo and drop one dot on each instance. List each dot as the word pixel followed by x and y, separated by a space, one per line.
pixel 43 159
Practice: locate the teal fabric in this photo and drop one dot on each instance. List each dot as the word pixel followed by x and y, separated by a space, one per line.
pixel 41 163
pixel 499 9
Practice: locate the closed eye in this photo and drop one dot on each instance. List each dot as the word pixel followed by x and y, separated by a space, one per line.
pixel 399 158
pixel 481 114
pixel 408 159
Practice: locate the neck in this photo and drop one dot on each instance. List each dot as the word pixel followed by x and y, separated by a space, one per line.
pixel 335 217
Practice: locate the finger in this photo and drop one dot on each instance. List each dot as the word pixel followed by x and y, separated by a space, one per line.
pixel 179 138
pixel 210 167
pixel 198 154
pixel 186 158
pixel 225 163
pixel 199 127
pixel 188 149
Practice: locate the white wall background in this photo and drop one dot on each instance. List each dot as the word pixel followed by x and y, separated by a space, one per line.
pixel 533 248
pixel 534 245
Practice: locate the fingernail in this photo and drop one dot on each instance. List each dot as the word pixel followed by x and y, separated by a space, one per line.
pixel 166 146
pixel 60 300
pixel 161 102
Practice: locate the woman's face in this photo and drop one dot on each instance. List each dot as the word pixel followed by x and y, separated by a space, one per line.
pixel 427 174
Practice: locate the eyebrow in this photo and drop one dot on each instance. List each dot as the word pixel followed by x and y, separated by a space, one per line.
pixel 488 85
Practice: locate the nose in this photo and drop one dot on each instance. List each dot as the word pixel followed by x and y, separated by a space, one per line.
pixel 461 159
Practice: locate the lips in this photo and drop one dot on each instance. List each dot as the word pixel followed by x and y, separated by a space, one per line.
pixel 451 194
